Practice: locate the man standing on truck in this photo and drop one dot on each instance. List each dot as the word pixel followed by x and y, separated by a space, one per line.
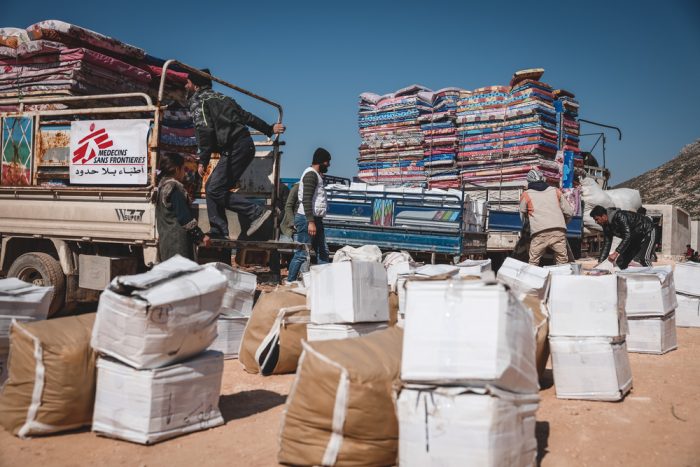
pixel 308 220
pixel 221 125
pixel 636 231
pixel 547 213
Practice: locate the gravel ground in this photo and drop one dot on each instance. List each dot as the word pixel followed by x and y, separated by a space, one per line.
pixel 658 423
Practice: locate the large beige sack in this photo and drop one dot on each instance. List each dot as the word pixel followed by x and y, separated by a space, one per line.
pixel 51 384
pixel 341 408
pixel 272 338
pixel 393 308
pixel 540 320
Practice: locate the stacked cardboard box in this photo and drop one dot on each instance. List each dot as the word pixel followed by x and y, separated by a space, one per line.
pixel 19 301
pixel 426 272
pixel 587 338
pixel 155 380
pixel 347 299
pixel 236 308
pixel 648 297
pixel 687 278
pixel 523 278
pixel 470 386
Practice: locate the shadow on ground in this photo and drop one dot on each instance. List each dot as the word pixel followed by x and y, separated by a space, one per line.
pixel 542 435
pixel 247 403
pixel 547 379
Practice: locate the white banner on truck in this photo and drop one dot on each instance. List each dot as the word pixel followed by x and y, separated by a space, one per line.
pixel 109 152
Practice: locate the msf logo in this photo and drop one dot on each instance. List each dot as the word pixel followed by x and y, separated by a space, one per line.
pixel 91 144
pixel 130 215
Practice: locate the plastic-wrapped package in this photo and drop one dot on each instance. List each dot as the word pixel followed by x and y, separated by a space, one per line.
pixel 131 404
pixel 457 426
pixel 468 332
pixel 593 368
pixel 652 334
pixel 585 306
pixel 160 317
pixel 646 291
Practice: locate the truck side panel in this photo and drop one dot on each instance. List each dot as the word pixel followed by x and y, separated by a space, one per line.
pixel 109 220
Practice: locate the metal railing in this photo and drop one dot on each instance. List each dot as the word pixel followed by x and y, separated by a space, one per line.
pixel 274 141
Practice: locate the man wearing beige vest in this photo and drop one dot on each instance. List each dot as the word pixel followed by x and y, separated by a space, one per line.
pixel 548 213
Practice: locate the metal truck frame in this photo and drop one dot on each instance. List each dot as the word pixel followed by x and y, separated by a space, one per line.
pixel 76 238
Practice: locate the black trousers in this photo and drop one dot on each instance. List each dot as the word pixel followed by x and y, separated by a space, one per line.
pixel 225 175
pixel 641 249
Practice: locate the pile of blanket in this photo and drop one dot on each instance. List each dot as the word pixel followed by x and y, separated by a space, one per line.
pixel 491 136
pixel 54 58
pixel 391 148
pixel 440 139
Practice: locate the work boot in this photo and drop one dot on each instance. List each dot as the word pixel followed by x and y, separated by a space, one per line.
pixel 257 223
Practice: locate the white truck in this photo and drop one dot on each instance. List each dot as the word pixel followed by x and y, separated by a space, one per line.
pixel 77 237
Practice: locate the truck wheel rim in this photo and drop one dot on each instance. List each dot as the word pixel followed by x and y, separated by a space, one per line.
pixel 32 276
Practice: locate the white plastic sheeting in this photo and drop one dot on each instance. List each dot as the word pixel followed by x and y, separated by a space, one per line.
pixel 646 292
pixel 160 317
pixel 687 278
pixel 594 368
pixel 585 306
pixel 349 292
pixel 364 253
pixel 458 426
pixel 688 311
pixel 652 334
pixel 524 278
pixel 229 335
pixel 240 290
pixel 19 298
pixel 322 332
pixel 147 406
pixel 468 333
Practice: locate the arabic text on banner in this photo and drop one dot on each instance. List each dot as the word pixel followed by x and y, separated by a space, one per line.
pixel 109 152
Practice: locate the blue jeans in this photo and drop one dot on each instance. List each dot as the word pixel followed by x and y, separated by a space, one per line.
pixel 318 243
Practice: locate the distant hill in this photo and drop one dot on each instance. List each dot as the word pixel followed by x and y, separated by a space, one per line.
pixel 676 182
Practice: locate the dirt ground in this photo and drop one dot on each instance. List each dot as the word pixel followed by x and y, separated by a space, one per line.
pixel 658 423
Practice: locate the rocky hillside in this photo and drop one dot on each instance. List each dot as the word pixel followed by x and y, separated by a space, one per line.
pixel 676 182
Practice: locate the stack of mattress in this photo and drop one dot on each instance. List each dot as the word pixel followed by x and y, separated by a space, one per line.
pixel 568 127
pixel 440 139
pixel 506 131
pixel 489 136
pixel 391 150
pixel 54 58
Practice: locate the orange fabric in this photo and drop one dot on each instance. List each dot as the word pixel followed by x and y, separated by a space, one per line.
pixel 526 197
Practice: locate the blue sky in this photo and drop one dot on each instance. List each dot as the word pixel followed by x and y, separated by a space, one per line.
pixel 635 65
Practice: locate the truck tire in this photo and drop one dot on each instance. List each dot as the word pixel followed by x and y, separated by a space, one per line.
pixel 43 270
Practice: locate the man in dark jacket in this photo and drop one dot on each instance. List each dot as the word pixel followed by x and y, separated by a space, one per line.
pixel 221 125
pixel 636 231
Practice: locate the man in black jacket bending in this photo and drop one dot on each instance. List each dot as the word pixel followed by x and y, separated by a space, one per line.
pixel 636 231
pixel 221 125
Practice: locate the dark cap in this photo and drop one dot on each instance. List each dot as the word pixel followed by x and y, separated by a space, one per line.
pixel 321 156
pixel 199 80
